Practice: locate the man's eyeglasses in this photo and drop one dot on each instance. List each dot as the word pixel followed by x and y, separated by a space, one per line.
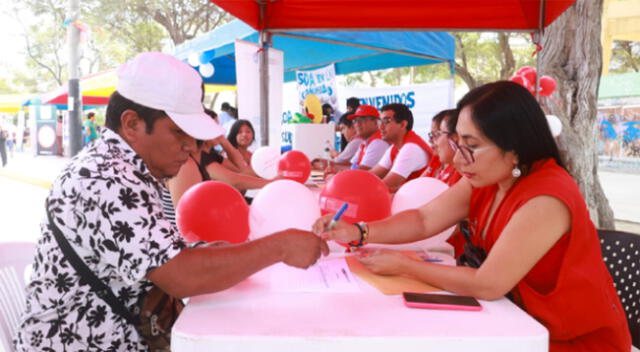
pixel 387 120
pixel 361 119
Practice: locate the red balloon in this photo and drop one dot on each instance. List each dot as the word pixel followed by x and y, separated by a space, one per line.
pixel 530 74
pixel 547 86
pixel 294 165
pixel 523 69
pixel 520 80
pixel 368 197
pixel 523 82
pixel 213 211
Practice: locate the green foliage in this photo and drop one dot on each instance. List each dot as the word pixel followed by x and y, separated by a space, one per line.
pixel 480 58
pixel 6 87
pixel 116 31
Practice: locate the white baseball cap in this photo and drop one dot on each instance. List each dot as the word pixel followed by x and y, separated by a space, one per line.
pixel 160 81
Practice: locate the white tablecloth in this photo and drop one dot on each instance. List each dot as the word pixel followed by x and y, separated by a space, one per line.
pixel 253 316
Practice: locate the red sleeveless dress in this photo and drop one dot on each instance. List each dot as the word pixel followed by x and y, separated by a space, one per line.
pixel 412 137
pixel 569 291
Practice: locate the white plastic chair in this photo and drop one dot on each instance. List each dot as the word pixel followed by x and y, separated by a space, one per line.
pixel 15 257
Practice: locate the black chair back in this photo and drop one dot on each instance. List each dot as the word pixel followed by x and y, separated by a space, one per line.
pixel 621 252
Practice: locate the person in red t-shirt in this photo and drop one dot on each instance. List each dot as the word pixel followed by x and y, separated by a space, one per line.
pixel 409 154
pixel 443 137
pixel 434 163
pixel 365 121
pixel 525 211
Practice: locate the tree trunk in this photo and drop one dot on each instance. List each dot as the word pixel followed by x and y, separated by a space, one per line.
pixel 508 62
pixel 572 55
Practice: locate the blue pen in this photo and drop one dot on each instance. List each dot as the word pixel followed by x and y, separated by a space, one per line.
pixel 338 215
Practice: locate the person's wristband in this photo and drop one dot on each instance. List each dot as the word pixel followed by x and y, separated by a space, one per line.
pixel 364 234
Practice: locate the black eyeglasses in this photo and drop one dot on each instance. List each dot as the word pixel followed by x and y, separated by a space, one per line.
pixel 360 119
pixel 467 153
pixel 387 120
pixel 434 135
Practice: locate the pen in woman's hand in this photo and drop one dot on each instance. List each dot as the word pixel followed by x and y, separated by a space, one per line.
pixel 338 215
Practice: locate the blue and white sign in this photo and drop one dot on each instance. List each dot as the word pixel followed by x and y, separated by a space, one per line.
pixel 320 82
pixel 424 100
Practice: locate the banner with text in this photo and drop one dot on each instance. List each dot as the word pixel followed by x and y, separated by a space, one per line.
pixel 320 83
pixel 425 100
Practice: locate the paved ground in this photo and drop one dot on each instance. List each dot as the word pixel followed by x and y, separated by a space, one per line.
pixel 24 184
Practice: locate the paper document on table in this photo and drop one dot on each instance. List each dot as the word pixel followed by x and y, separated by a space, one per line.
pixel 328 275
pixel 391 285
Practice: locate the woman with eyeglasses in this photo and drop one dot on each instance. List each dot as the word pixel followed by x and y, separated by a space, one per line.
pixel 525 212
pixel 443 138
pixel 434 162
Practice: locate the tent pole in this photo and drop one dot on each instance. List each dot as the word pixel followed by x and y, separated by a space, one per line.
pixel 264 78
pixel 537 39
pixel 264 88
pixel 74 103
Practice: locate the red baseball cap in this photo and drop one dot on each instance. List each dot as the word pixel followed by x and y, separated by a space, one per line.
pixel 365 111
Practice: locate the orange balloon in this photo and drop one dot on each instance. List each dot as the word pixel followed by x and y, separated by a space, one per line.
pixel 368 197
pixel 294 165
pixel 213 211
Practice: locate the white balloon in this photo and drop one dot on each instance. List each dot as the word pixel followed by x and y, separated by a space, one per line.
pixel 206 70
pixel 415 194
pixel 555 125
pixel 281 205
pixel 194 59
pixel 264 162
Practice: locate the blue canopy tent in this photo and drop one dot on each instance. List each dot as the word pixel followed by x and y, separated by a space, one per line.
pixel 350 51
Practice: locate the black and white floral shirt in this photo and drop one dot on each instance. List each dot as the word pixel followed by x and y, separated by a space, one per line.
pixel 108 206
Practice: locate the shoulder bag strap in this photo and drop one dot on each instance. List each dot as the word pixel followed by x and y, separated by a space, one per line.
pixel 99 287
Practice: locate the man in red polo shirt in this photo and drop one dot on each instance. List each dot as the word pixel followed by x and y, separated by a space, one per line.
pixel 408 155
pixel 366 120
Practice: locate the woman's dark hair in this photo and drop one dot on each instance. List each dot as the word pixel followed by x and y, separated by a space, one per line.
pixel 438 117
pixel 353 103
pixel 511 118
pixel 119 104
pixel 453 115
pixel 235 129
pixel 344 119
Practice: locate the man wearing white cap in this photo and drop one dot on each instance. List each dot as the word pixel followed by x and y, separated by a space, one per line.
pixel 106 205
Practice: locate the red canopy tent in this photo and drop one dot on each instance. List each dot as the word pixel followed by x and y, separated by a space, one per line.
pixel 98 88
pixel 60 97
pixel 511 15
pixel 270 16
